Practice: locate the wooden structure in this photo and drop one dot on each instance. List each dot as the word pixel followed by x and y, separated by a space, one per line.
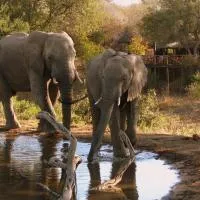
pixel 168 73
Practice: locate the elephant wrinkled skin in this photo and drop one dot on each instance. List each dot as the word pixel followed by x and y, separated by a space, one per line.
pixel 42 63
pixel 114 82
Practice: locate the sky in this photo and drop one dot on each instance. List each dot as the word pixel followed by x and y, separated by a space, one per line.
pixel 125 2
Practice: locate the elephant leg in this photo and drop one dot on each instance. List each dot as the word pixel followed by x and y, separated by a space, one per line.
pixel 39 89
pixel 11 119
pixel 95 111
pixel 53 92
pixel 119 148
pixel 123 117
pixel 132 118
pixel 5 97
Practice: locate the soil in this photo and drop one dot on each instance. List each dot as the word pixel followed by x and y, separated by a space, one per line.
pixel 181 152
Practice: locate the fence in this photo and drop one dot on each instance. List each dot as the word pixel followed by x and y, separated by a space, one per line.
pixel 164 59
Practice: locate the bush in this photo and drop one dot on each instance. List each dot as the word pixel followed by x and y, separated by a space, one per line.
pixel 194 88
pixel 150 116
pixel 137 46
pixel 25 109
pixel 80 112
pixel 89 49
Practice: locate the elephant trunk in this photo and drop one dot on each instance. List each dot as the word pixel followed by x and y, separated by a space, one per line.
pixel 106 110
pixel 66 99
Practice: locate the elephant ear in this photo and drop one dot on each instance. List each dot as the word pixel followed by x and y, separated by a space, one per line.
pixel 34 47
pixel 139 76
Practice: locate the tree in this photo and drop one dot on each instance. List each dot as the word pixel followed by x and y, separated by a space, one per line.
pixel 79 18
pixel 174 21
pixel 7 25
pixel 137 45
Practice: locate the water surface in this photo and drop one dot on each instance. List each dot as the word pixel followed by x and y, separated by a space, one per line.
pixel 148 178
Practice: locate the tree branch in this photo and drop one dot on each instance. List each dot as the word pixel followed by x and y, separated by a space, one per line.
pixel 69 163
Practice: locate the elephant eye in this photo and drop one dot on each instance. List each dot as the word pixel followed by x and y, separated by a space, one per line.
pixel 123 78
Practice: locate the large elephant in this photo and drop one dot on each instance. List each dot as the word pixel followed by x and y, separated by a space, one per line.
pixel 42 63
pixel 114 82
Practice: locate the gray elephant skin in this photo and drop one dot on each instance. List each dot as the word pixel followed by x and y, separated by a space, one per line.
pixel 114 82
pixel 42 63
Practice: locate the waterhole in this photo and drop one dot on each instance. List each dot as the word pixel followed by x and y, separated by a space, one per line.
pixel 148 178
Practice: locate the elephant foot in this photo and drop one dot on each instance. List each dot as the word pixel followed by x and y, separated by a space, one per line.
pixel 11 126
pixel 133 141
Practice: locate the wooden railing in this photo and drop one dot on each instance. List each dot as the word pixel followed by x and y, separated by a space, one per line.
pixel 164 59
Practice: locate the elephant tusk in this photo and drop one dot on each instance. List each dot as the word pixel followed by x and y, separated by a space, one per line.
pixel 55 81
pixel 97 102
pixel 78 77
pixel 119 101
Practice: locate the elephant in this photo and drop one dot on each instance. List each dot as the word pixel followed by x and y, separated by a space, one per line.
pixel 114 81
pixel 39 62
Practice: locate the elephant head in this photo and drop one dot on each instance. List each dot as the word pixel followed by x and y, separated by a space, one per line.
pixel 52 55
pixel 118 73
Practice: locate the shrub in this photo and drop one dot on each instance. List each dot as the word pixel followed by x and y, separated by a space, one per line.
pixel 137 46
pixel 150 116
pixel 194 88
pixel 89 49
pixel 25 109
pixel 80 112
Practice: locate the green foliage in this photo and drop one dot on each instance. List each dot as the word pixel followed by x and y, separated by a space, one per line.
pixel 150 116
pixel 25 109
pixel 137 46
pixel 98 37
pixel 8 25
pixel 79 18
pixel 81 112
pixel 179 18
pixel 89 49
pixel 194 88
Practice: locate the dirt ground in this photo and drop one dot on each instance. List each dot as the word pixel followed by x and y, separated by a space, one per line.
pixel 180 151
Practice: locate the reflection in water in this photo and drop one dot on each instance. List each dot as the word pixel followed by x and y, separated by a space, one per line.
pixel 125 190
pixel 26 154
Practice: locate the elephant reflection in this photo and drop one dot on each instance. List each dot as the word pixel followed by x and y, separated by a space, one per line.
pixel 114 82
pixel 19 177
pixel 126 189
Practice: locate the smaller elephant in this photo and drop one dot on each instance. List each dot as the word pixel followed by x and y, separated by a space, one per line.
pixel 114 82
pixel 42 63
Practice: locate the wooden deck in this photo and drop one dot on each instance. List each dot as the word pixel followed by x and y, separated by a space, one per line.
pixel 163 60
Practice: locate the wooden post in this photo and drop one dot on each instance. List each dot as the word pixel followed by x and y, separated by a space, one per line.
pixel 167 76
pixel 155 74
